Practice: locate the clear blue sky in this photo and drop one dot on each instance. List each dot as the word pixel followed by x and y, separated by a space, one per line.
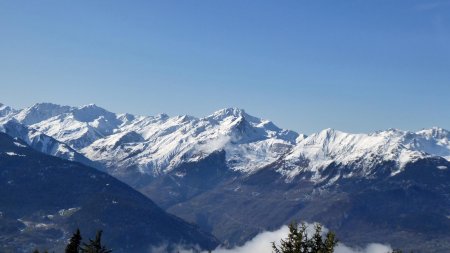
pixel 356 66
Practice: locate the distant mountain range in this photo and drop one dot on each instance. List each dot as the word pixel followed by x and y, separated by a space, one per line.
pixel 236 175
pixel 157 144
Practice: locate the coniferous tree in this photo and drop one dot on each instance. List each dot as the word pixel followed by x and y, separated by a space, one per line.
pixel 305 239
pixel 398 251
pixel 95 246
pixel 74 243
pixel 298 241
pixel 292 243
pixel 316 240
pixel 330 242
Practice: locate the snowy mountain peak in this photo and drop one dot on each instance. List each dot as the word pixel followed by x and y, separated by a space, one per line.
pixel 364 151
pixel 92 108
pixel 6 110
pixel 126 118
pixel 39 112
pixel 91 112
pixel 46 107
pixel 435 132
pixel 163 116
pixel 91 105
pixel 232 112
pixel 329 133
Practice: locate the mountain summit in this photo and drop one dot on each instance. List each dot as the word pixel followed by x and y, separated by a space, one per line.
pixel 156 144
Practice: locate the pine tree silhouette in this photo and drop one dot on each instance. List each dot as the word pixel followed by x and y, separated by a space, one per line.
pixel 74 243
pixel 95 246
pixel 298 241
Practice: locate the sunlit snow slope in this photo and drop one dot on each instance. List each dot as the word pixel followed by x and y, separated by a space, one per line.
pixel 156 144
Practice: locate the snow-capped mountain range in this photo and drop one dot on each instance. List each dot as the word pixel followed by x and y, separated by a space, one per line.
pixel 234 174
pixel 157 144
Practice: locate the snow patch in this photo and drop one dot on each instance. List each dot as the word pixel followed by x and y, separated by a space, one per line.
pixel 212 145
pixel 19 145
pixel 13 154
pixel 68 212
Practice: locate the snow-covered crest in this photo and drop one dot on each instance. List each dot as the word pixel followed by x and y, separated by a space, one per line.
pixel 166 142
pixel 157 144
pixel 365 150
pixel 6 111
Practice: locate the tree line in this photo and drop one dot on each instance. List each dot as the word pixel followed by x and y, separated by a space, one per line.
pixel 75 244
pixel 297 241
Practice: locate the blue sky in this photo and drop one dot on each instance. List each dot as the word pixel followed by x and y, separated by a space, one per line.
pixel 356 66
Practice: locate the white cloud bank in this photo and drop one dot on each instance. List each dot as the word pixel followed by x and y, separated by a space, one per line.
pixel 371 248
pixel 262 244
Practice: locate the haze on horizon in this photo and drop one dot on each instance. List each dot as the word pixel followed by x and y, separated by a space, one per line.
pixel 356 66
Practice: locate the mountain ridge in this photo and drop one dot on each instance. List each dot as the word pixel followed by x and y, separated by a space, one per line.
pixel 43 199
pixel 157 144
